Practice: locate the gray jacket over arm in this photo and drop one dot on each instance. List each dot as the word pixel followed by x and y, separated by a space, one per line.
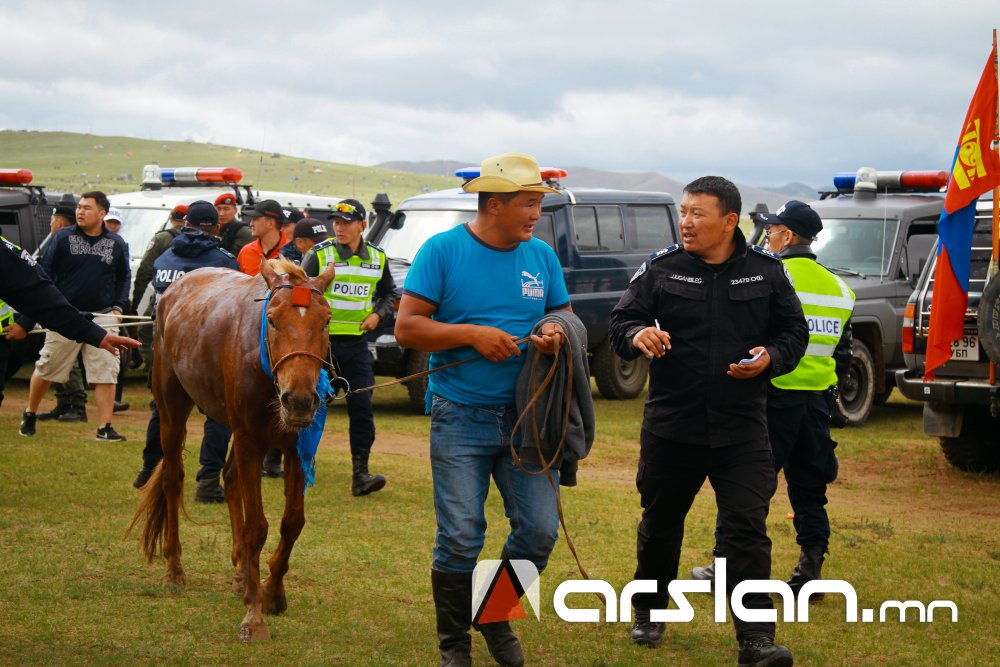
pixel 547 416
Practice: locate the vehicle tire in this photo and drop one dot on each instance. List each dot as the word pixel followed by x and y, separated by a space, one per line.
pixel 989 320
pixel 616 378
pixel 977 449
pixel 857 387
pixel 880 399
pixel 416 362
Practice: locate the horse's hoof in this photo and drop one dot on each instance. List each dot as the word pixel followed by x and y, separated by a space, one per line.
pixel 254 632
pixel 175 579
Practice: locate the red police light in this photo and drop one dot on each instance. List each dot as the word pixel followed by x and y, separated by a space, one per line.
pixel 200 175
pixel 550 173
pixel 15 176
pixel 924 179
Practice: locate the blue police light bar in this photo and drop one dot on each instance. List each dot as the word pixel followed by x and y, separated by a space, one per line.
pixel 199 175
pixel 467 173
pixel 547 173
pixel 929 181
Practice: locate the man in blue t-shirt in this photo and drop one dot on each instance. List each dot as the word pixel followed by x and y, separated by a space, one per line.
pixel 480 288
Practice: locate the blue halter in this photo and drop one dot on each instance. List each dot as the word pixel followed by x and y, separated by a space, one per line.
pixel 309 436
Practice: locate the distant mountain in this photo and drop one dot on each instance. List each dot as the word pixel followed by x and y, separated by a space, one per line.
pixel 585 177
pixel 430 167
pixel 799 191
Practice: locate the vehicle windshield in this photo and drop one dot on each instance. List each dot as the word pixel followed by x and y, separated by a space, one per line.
pixel 138 227
pixel 862 246
pixel 418 226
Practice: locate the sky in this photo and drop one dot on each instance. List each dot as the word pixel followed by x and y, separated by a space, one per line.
pixel 762 92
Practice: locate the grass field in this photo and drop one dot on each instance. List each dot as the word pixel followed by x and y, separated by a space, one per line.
pixel 71 162
pixel 76 589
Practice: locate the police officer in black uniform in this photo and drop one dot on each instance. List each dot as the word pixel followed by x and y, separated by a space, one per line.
pixel 194 248
pixel 697 309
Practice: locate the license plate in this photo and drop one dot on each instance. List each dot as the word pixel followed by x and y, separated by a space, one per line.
pixel 965 348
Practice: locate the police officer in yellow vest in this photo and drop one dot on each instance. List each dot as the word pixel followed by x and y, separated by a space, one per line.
pixel 361 296
pixel 798 416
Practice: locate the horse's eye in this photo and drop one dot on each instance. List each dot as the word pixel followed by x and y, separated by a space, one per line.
pixel 271 323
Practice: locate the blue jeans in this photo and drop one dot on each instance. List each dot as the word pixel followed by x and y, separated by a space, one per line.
pixel 469 445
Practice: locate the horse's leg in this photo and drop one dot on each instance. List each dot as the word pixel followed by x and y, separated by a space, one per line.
pixel 230 476
pixel 174 406
pixel 291 527
pixel 249 453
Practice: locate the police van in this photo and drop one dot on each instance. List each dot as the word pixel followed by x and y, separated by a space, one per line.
pixel 601 237
pixel 25 209
pixel 146 211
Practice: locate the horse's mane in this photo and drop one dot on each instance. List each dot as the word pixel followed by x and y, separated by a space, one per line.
pixel 295 274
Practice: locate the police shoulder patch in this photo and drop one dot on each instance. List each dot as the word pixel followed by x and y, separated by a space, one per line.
pixel 663 253
pixel 765 252
pixel 324 244
pixel 227 253
pixel 638 272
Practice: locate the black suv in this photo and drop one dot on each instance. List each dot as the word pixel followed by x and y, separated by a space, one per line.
pixel 961 406
pixel 600 236
pixel 25 209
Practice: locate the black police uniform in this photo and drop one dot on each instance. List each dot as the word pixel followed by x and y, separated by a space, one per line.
pixel 191 249
pixel 698 421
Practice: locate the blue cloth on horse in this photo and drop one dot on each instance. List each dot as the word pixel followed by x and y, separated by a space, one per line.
pixel 309 437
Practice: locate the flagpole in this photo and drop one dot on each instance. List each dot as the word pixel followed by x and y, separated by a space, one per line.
pixel 996 201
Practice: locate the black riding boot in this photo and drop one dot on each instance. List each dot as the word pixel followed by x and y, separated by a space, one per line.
pixel 363 483
pixel 810 567
pixel 503 644
pixel 272 463
pixel 453 609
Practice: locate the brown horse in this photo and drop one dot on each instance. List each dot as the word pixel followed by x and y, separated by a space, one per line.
pixel 208 353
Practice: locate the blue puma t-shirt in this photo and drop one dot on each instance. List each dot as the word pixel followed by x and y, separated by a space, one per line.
pixel 473 283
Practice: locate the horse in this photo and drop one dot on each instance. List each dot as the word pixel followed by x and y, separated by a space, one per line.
pixel 211 326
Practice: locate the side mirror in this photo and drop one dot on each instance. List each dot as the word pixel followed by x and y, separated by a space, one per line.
pixel 397 220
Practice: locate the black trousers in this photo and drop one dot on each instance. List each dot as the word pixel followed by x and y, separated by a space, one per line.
pixel 669 477
pixel 214 446
pixel 798 424
pixel 356 364
pixel 5 353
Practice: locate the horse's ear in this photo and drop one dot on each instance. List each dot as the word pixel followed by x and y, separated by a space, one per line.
pixel 269 274
pixel 323 280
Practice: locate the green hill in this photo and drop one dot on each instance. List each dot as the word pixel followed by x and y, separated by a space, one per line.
pixel 71 162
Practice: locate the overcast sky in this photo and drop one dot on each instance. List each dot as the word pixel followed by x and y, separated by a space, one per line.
pixel 762 92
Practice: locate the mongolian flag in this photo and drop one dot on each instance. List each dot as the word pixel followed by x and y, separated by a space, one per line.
pixel 976 170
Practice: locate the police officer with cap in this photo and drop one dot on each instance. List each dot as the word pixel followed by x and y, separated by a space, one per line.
pixel 233 233
pixel 361 296
pixel 718 318
pixel 194 248
pixel 798 416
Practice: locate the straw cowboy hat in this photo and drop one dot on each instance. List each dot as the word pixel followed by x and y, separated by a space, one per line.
pixel 510 172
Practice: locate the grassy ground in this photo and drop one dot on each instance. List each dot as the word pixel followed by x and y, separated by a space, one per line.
pixel 71 162
pixel 76 589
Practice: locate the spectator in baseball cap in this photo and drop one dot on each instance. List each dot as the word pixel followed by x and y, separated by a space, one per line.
pixel 267 217
pixel 113 220
pixel 309 232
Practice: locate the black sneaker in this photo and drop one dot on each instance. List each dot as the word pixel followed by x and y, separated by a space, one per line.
pixel 27 423
pixel 644 631
pixel 143 477
pixel 72 414
pixel 121 407
pixel 761 651
pixel 54 413
pixel 107 432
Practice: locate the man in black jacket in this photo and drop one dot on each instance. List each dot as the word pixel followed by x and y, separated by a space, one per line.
pixel 718 301
pixel 28 292
pixel 90 267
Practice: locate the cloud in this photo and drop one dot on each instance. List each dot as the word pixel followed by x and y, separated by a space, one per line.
pixel 767 92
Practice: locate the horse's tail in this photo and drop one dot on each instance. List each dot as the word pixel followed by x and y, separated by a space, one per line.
pixel 153 506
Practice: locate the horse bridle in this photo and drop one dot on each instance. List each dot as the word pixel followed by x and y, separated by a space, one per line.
pixel 302 298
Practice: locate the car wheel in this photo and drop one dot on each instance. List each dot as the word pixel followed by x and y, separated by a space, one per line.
pixel 977 448
pixel 417 362
pixel 880 399
pixel 989 320
pixel 857 387
pixel 616 378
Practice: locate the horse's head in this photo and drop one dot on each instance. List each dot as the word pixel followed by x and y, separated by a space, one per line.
pixel 297 338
